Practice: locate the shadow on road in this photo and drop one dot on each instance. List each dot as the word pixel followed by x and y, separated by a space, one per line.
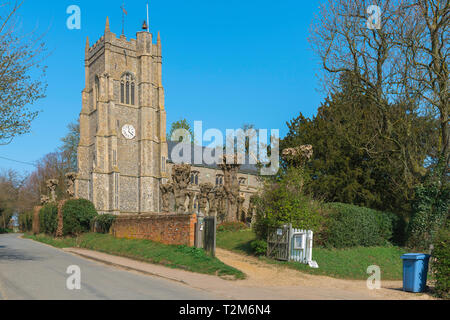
pixel 8 253
pixel 13 255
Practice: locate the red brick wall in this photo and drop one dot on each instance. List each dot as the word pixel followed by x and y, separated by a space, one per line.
pixel 176 229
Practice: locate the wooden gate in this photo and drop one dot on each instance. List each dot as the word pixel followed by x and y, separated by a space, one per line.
pixel 278 243
pixel 210 235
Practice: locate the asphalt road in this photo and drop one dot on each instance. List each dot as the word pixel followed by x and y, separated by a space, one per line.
pixel 34 271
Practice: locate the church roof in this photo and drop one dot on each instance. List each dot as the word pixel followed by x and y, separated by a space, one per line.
pixel 246 168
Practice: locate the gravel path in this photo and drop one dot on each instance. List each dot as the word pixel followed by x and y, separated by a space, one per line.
pixel 263 274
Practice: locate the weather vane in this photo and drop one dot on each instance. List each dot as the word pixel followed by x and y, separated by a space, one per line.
pixel 124 13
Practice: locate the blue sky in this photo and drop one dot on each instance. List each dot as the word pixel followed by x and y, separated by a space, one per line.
pixel 225 63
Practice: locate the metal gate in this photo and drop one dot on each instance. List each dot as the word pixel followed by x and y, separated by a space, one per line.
pixel 278 243
pixel 210 235
pixel 288 244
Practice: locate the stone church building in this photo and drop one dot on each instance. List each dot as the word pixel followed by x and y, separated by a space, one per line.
pixel 123 155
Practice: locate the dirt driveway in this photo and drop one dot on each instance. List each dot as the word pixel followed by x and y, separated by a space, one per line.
pixel 261 274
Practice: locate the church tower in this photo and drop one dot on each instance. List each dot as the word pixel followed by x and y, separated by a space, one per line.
pixel 123 151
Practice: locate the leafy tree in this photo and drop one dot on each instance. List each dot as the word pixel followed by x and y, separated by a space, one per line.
pixel 20 57
pixel 181 124
pixel 352 162
pixel 284 201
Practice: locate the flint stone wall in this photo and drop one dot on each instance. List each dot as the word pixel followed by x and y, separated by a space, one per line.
pixel 171 229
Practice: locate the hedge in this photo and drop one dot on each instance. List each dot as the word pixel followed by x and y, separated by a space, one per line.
pixel 48 219
pixel 3 231
pixel 102 223
pixel 77 216
pixel 441 263
pixel 353 226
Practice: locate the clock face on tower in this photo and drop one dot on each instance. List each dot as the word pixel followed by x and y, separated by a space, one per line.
pixel 129 132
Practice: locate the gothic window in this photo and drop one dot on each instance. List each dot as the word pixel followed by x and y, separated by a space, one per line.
pixel 194 178
pixel 127 89
pixel 128 92
pixel 219 180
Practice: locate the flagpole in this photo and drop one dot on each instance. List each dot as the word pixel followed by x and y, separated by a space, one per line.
pixel 148 21
pixel 123 18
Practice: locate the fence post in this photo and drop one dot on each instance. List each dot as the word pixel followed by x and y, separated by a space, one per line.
pixel 310 245
pixel 290 235
pixel 200 231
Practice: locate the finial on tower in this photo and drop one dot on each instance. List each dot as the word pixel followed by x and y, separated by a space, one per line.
pixel 159 38
pixel 87 45
pixel 107 25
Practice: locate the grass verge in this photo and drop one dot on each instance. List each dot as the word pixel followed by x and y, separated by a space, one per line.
pixel 180 257
pixel 237 241
pixel 349 263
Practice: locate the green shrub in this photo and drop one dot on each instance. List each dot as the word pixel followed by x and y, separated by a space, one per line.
pixel 430 210
pixel 2 231
pixel 26 222
pixel 231 226
pixel 77 216
pixel 48 219
pixel 283 202
pixel 259 247
pixel 102 223
pixel 441 264
pixel 352 226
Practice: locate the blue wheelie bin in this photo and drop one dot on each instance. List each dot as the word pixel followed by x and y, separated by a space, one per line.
pixel 415 271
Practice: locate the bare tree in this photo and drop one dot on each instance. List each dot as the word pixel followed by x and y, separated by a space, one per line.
pixel 9 188
pixel 405 61
pixel 424 40
pixel 21 55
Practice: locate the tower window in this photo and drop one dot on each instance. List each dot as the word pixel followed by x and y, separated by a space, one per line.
pixel 219 180
pixel 128 92
pixel 127 89
pixel 194 178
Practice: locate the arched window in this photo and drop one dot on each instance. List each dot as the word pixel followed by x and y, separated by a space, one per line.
pixel 219 180
pixel 127 89
pixel 122 92
pixel 194 178
pixel 128 92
